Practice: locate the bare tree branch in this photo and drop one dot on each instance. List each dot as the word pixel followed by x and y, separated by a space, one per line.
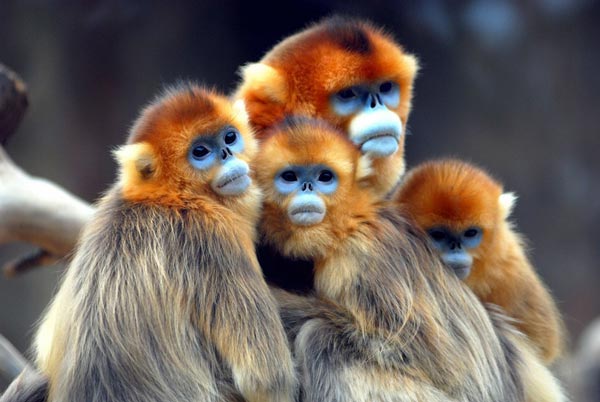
pixel 39 212
pixel 11 361
pixel 32 210
pixel 29 386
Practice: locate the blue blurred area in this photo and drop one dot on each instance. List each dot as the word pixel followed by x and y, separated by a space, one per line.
pixel 511 85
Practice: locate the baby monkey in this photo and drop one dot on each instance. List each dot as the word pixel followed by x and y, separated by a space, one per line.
pixel 465 213
pixel 164 299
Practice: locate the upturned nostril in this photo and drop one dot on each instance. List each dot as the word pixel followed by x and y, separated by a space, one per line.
pixel 223 154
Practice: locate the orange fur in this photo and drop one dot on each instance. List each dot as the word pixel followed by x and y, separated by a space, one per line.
pixel 285 147
pixel 155 167
pixel 457 195
pixel 300 74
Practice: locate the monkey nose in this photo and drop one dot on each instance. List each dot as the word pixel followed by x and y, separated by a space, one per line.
pixel 307 186
pixel 226 153
pixel 374 101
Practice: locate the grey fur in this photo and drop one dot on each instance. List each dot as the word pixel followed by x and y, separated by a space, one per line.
pixel 406 329
pixel 150 299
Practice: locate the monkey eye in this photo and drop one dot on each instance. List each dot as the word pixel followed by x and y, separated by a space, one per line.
pixel 200 152
pixel 472 232
pixel 326 176
pixel 437 234
pixel 230 137
pixel 289 175
pixel 347 94
pixel 386 87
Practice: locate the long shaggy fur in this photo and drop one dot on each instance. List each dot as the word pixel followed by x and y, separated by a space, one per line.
pixel 164 299
pixel 389 322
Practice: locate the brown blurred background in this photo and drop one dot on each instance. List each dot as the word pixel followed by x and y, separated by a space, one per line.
pixel 511 85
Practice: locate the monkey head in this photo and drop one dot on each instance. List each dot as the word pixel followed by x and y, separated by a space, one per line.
pixel 344 71
pixel 189 143
pixel 307 173
pixel 460 207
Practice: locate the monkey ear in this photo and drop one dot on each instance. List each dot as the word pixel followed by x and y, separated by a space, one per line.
pixel 263 80
pixel 411 64
pixel 136 160
pixel 239 107
pixel 506 202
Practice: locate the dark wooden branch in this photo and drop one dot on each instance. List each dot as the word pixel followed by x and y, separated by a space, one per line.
pixel 13 102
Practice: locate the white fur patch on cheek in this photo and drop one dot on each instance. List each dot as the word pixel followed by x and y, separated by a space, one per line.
pixel 376 132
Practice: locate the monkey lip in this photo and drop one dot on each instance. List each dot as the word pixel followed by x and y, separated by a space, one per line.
pixel 231 180
pixel 306 216
pixel 379 135
pixel 307 210
pixel 233 184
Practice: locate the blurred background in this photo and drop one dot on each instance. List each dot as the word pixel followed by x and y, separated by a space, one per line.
pixel 511 85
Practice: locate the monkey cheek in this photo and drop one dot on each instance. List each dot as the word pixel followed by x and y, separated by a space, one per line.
pixel 232 179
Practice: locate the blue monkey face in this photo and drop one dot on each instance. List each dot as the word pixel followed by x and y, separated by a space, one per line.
pixel 306 185
pixel 375 128
pixel 220 150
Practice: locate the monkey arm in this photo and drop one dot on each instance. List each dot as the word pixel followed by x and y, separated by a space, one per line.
pixel 242 310
pixel 523 295
pixel 537 314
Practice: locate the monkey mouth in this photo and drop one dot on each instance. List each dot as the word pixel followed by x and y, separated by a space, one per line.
pixel 231 180
pixel 307 210
pixel 234 182
pixel 375 136
pixel 306 216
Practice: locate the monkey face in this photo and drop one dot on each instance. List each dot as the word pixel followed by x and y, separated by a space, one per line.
pixel 374 127
pixel 307 171
pixel 304 187
pixel 455 247
pixel 344 71
pixel 219 153
pixel 190 143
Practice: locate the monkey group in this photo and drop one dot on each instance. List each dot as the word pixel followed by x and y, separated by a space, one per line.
pixel 369 284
